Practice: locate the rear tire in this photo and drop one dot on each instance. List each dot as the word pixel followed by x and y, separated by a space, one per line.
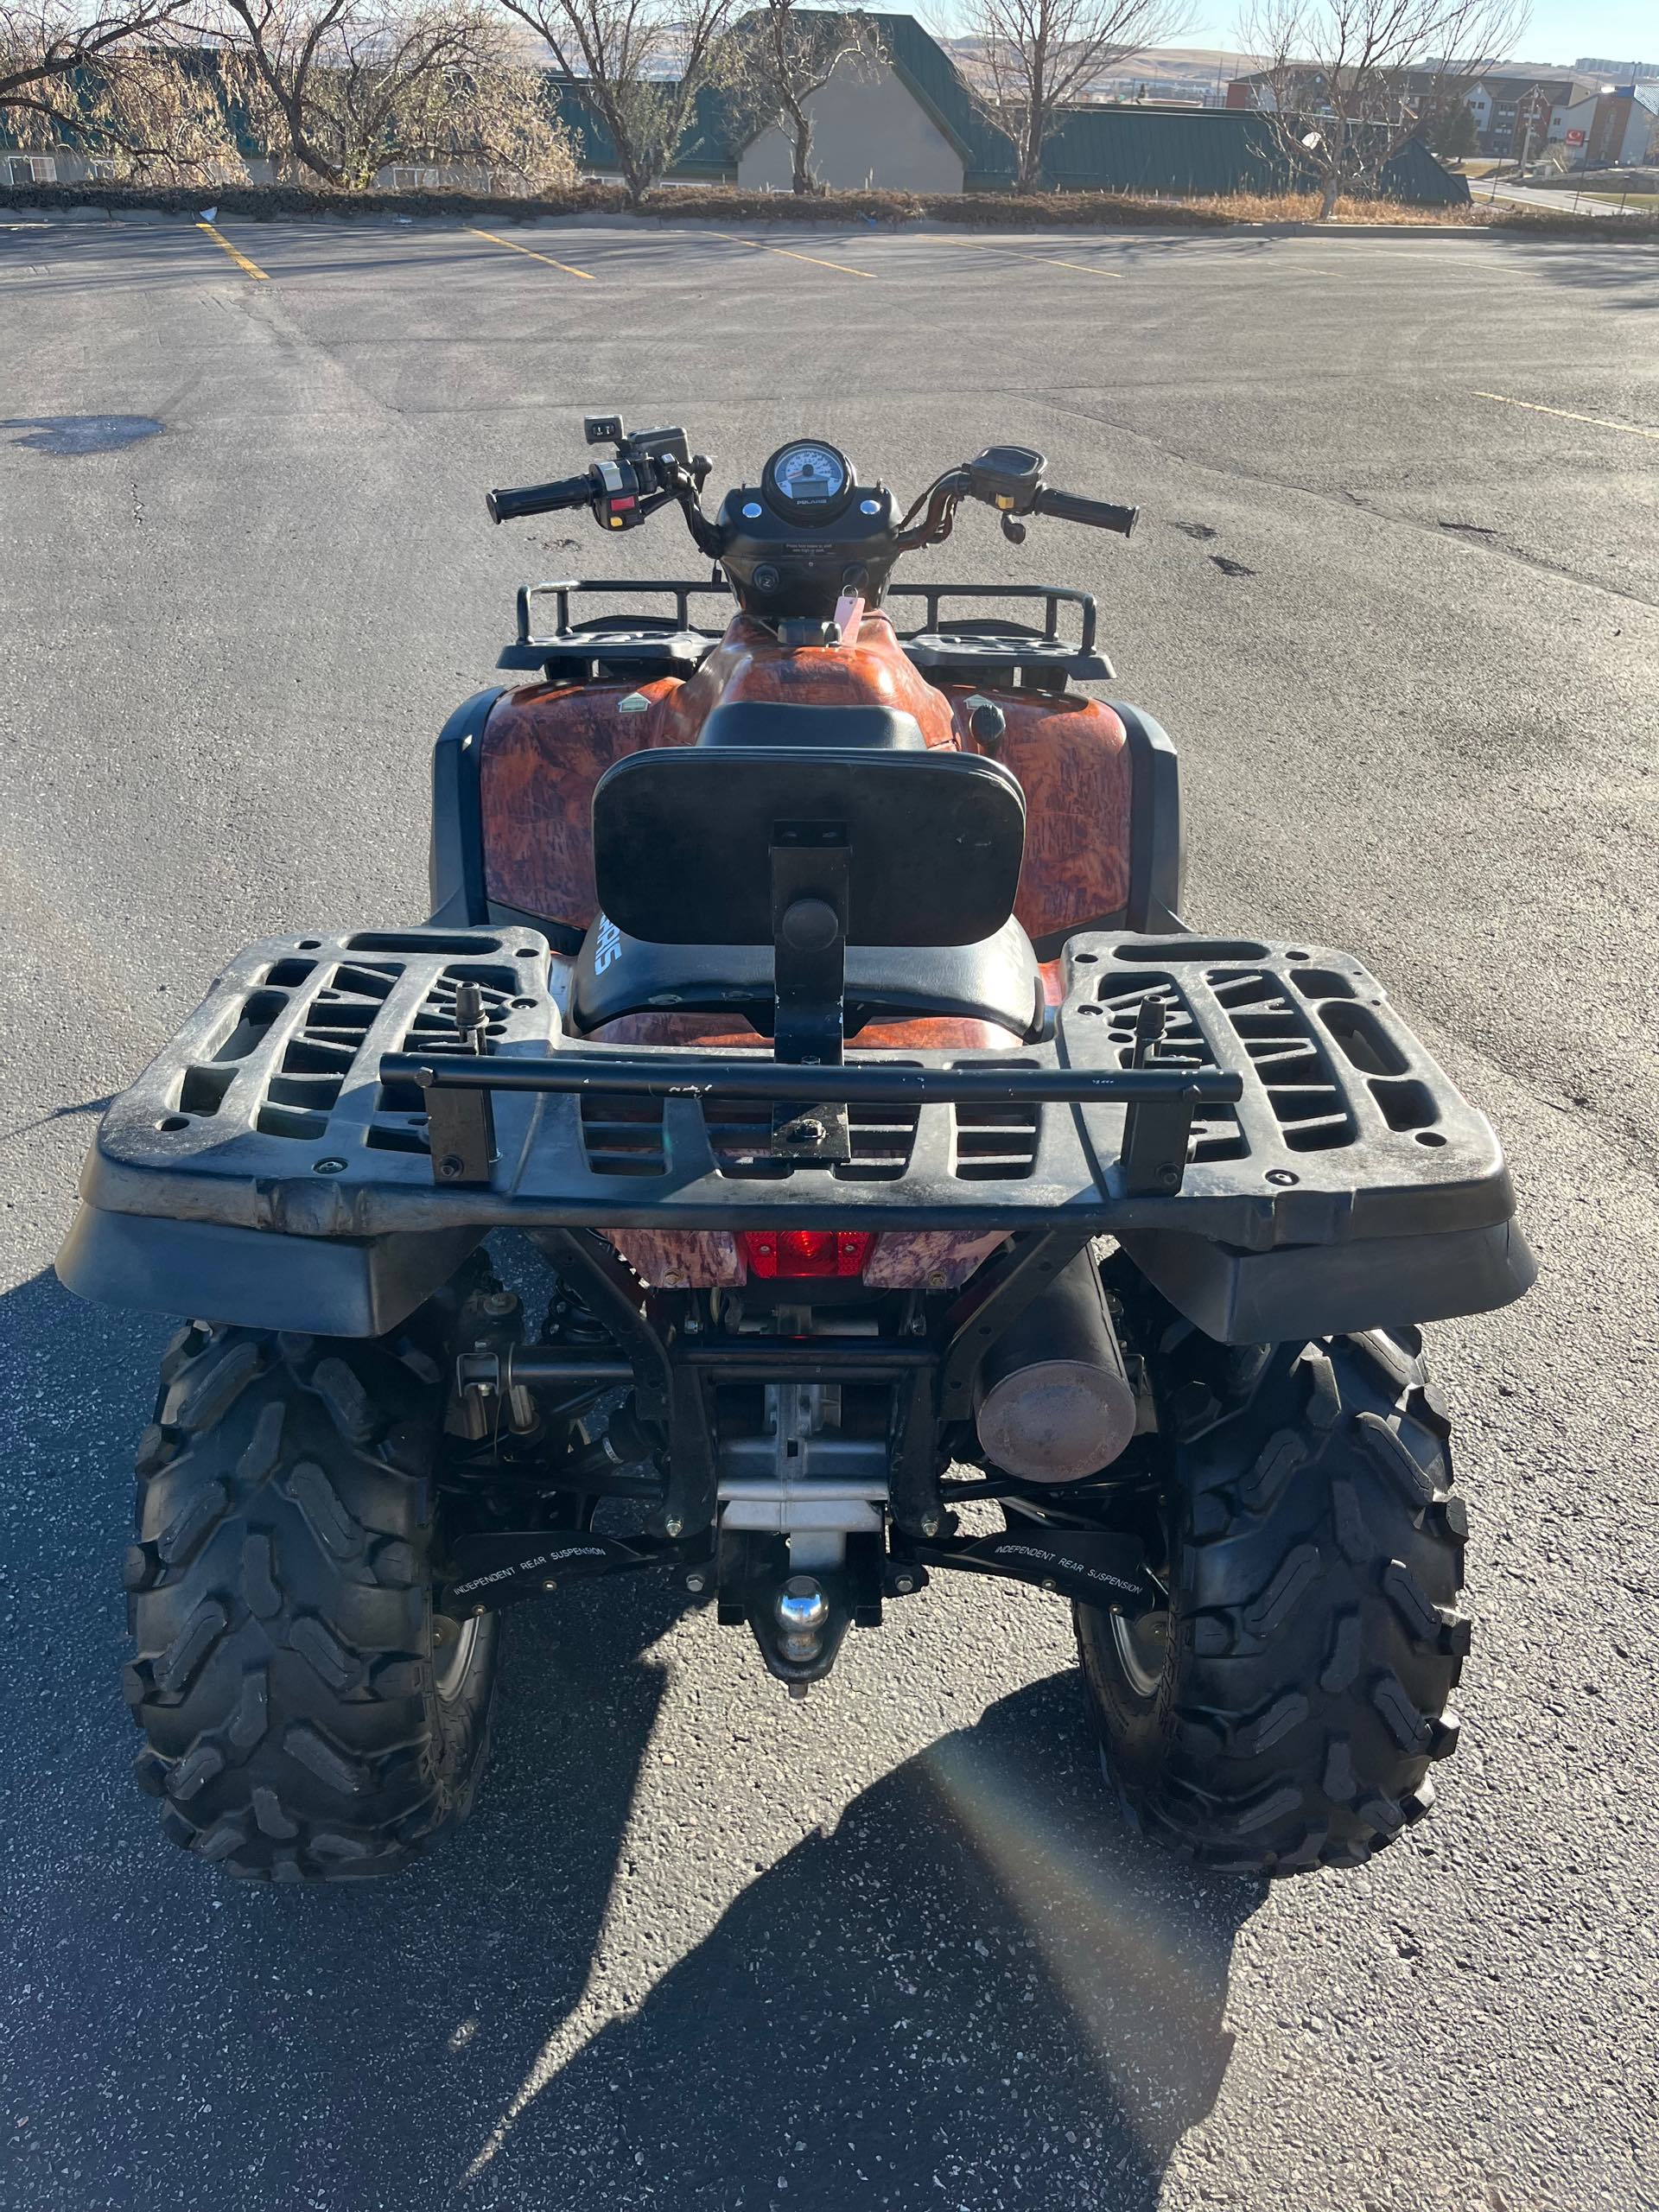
pixel 1284 1714
pixel 305 1717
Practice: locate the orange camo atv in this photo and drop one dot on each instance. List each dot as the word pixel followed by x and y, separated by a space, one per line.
pixel 815 995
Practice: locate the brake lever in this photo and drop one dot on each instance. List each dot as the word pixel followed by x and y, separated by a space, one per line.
pixel 684 482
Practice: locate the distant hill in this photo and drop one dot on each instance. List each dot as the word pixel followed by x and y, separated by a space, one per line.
pixel 1196 73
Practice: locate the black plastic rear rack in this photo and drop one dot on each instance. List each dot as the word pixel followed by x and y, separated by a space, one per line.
pixel 1254 1124
pixel 991 650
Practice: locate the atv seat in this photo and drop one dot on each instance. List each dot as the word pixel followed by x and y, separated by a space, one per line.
pixel 813 851
pixel 997 980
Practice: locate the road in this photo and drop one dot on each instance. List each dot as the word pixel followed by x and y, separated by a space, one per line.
pixel 1396 594
pixel 1564 201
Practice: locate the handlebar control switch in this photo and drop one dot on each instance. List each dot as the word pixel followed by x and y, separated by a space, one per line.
pixel 604 429
pixel 1007 477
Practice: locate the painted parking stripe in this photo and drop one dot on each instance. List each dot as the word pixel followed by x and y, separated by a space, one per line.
pixel 1019 253
pixel 513 246
pixel 241 260
pixel 760 246
pixel 1601 423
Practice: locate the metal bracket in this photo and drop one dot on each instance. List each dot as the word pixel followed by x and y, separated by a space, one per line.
pixel 460 1127
pixel 812 869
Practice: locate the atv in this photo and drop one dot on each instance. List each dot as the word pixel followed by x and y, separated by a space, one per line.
pixel 922 1198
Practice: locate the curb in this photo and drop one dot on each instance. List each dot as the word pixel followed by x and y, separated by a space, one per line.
pixel 1606 232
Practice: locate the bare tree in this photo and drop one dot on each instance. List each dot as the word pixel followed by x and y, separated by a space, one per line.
pixel 639 66
pixel 343 87
pixel 1345 83
pixel 783 55
pixel 44 44
pixel 1037 57
pixel 134 84
pixel 162 114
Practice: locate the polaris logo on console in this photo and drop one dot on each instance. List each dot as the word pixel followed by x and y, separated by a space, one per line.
pixel 607 946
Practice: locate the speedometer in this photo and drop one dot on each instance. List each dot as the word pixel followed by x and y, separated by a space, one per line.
pixel 808 481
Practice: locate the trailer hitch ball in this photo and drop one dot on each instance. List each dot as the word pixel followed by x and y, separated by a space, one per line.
pixel 801 1610
pixel 1053 1401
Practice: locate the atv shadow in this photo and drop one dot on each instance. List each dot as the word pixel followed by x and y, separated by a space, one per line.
pixel 980 1984
pixel 981 1989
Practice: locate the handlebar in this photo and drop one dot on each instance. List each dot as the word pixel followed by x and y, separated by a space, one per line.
pixel 539 498
pixel 1099 514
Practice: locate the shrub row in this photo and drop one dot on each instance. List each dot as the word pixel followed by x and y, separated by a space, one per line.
pixel 726 204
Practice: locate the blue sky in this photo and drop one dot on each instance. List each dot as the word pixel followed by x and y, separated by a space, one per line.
pixel 1559 30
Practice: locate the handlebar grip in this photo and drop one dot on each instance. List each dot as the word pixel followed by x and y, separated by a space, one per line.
pixel 539 499
pixel 1099 514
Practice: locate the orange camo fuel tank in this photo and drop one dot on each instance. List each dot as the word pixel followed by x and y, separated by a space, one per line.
pixel 546 746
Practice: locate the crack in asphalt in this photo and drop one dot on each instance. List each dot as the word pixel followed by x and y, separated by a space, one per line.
pixel 1239 472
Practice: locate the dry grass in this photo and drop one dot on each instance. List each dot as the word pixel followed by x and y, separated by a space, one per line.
pixel 1301 206
pixel 723 204
pixel 668 203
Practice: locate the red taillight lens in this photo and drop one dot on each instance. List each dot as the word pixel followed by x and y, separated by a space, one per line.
pixel 796 1254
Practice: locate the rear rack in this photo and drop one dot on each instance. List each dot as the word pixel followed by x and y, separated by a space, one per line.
pixel 1272 1098
pixel 978 650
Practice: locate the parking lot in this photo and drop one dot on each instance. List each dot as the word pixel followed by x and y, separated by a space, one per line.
pixel 1395 595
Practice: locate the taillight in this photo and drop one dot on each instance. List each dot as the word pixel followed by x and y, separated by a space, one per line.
pixel 796 1254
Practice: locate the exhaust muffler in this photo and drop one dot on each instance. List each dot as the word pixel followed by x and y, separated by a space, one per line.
pixel 1053 1403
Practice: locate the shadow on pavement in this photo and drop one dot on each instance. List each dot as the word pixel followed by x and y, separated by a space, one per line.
pixel 979 1989
pixel 1626 276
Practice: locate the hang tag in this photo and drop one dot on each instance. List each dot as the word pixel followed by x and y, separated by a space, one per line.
pixel 849 613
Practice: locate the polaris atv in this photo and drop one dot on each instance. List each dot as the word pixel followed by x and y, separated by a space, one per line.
pixel 814 994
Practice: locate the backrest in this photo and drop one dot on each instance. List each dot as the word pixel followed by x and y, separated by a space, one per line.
pixel 684 840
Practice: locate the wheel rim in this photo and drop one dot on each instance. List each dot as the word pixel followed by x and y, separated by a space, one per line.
pixel 1142 1650
pixel 453 1645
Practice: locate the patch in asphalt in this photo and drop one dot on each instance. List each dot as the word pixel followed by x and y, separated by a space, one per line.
pixel 83 433
pixel 1230 567
pixel 1200 529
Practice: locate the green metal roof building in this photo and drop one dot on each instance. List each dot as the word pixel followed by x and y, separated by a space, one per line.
pixel 911 122
pixel 867 131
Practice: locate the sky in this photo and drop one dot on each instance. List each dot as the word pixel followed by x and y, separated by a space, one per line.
pixel 1560 30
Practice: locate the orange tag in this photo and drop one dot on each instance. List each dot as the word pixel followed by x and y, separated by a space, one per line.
pixel 849 613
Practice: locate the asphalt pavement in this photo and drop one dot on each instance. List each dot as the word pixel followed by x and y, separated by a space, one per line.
pixel 1396 595
pixel 1564 198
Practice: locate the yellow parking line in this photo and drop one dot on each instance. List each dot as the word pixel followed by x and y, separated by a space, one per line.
pixel 1533 407
pixel 760 246
pixel 1081 267
pixel 240 259
pixel 1019 253
pixel 512 246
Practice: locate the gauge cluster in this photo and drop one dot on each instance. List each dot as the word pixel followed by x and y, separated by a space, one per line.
pixel 807 535
pixel 808 480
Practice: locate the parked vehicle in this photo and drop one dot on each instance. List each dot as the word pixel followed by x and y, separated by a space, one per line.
pixel 815 995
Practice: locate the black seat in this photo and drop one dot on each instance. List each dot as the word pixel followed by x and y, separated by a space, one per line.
pixel 997 980
pixel 684 840
pixel 783 721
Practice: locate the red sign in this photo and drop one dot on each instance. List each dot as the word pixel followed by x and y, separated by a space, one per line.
pixel 1575 137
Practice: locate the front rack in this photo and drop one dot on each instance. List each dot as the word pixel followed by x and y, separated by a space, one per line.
pixel 991 650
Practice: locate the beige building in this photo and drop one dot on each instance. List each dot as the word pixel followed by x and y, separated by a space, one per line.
pixel 868 130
